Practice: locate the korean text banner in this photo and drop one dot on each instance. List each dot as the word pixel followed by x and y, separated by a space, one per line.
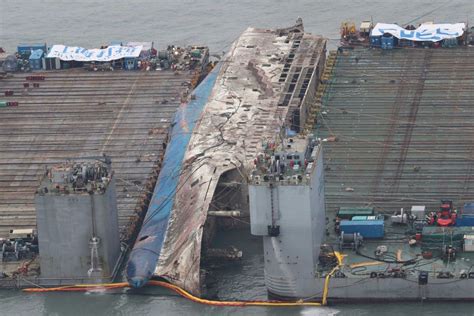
pixel 82 54
pixel 425 32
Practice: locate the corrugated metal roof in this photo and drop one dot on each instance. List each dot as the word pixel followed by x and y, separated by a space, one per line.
pixel 404 124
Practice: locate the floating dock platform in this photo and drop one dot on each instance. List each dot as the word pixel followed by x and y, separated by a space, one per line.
pixel 75 114
pixel 395 127
pixel 400 125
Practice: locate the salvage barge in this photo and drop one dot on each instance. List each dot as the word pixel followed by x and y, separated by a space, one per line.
pixel 394 126
pixel 81 113
pixel 75 114
pixel 256 137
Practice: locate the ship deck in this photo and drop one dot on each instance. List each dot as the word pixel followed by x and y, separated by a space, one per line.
pixel 402 130
pixel 400 256
pixel 75 114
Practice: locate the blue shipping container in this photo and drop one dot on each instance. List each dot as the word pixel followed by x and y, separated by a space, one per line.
pixel 468 208
pixel 388 42
pixel 36 62
pixel 367 229
pixel 375 41
pixel 130 63
pixel 450 42
pixel 27 48
pixel 466 220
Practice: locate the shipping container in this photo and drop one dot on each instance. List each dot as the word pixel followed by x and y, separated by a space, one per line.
pixel 450 42
pixel 446 233
pixel 433 236
pixel 369 229
pixel 3 104
pixel 406 43
pixel 10 64
pixel 36 62
pixel 68 64
pixel 387 41
pixel 470 39
pixel 468 208
pixel 465 220
pixel 51 63
pixel 375 41
pixel 130 63
pixel 349 212
pixel 418 211
pixel 25 49
pixel 469 243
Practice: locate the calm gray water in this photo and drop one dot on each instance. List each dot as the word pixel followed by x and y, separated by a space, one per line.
pixel 215 23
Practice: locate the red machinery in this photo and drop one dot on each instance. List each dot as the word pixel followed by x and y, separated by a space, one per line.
pixel 446 215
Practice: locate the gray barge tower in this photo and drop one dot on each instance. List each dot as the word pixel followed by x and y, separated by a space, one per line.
pixel 78 230
pixel 286 195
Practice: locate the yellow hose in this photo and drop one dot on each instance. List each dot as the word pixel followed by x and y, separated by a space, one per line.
pixel 177 289
pixel 229 303
pixel 366 264
pixel 189 296
pixel 339 258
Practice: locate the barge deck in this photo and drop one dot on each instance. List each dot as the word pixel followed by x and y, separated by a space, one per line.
pixel 75 114
pixel 402 121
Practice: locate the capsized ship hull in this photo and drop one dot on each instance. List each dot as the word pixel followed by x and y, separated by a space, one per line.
pixel 261 87
pixel 146 251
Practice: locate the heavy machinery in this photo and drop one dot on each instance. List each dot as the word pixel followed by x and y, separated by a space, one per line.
pixel 446 215
pixel 21 244
pixel 348 31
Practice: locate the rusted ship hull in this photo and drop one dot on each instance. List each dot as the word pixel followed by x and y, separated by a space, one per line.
pixel 260 89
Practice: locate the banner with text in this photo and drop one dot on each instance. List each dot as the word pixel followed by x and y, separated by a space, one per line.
pixel 425 32
pixel 82 54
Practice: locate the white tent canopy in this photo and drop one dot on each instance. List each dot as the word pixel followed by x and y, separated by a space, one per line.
pixel 110 53
pixel 425 32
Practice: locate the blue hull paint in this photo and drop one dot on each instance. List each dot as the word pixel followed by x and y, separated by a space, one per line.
pixel 146 251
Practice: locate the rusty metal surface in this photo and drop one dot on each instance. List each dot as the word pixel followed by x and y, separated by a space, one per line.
pixel 242 112
pixel 145 253
pixel 404 126
pixel 74 114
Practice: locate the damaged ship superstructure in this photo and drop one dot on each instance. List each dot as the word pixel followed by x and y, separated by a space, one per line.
pixel 266 82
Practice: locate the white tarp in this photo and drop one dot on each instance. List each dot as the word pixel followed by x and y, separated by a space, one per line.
pixel 82 54
pixel 425 32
